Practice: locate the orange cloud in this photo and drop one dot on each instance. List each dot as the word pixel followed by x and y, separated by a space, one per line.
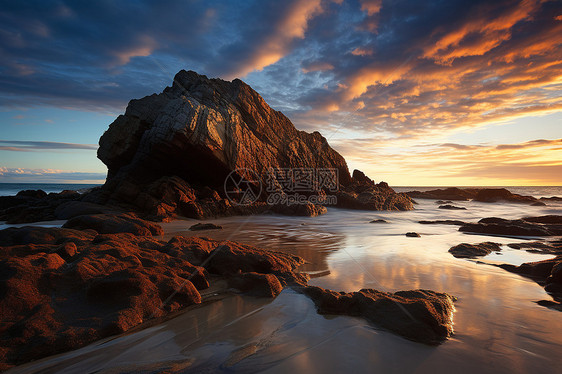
pixel 372 7
pixel 145 48
pixel 362 51
pixel 292 26
pixel 535 162
pixel 490 34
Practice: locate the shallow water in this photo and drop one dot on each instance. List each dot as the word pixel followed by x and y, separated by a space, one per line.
pixel 498 326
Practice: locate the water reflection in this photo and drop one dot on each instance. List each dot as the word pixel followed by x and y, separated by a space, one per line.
pixel 498 326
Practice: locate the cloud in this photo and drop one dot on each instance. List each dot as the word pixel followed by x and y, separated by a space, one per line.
pixel 406 162
pixel 317 66
pixel 27 175
pixel 30 146
pixel 277 41
pixel 430 67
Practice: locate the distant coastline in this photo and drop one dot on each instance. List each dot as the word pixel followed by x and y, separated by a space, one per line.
pixel 11 189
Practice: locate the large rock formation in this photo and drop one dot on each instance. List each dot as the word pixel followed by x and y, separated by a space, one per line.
pixel 170 153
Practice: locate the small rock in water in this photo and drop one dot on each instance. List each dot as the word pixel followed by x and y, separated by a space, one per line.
pixel 413 235
pixel 378 221
pixel 538 203
pixel 441 202
pixel 452 207
pixel 205 226
pixel 465 250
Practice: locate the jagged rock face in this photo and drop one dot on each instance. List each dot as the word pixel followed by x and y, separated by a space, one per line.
pixel 200 129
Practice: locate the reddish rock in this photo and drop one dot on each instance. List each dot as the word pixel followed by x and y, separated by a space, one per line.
pixel 256 284
pixel 232 258
pixel 61 289
pixel 420 315
pixel 114 223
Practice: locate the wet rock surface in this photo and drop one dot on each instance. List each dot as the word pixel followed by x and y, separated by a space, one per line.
pixel 547 273
pixel 114 223
pixel 451 207
pixel 205 226
pixel 419 315
pixel 550 225
pixel 545 247
pixel 63 288
pixel 465 250
pixel 487 195
pixel 443 222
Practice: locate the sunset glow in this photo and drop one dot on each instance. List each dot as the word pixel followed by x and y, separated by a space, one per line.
pixel 413 93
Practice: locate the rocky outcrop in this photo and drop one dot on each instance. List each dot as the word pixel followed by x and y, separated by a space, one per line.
pixel 465 250
pixel 451 207
pixel 492 195
pixel 546 247
pixel 63 288
pixel 547 273
pixel 114 223
pixel 487 195
pixel 205 226
pixel 451 194
pixel 550 225
pixel 36 205
pixel 170 154
pixel 443 222
pixel 419 315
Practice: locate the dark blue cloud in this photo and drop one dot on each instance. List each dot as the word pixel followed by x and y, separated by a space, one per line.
pixel 93 55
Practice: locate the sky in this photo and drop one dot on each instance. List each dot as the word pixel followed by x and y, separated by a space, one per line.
pixel 415 93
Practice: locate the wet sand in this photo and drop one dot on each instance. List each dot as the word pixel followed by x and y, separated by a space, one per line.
pixel 498 326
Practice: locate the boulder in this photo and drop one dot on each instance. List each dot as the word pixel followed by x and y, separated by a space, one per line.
pixel 256 284
pixel 205 226
pixel 419 315
pixel 443 222
pixel 413 235
pixel 451 207
pixel 465 250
